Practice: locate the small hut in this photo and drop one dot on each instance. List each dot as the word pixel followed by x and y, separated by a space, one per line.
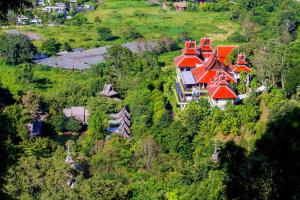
pixel 108 91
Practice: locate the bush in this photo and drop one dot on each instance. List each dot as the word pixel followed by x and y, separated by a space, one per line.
pixel 50 47
pixel 67 47
pixel 237 37
pixel 73 124
pixel 131 33
pixel 78 20
pixel 16 48
pixel 104 33
pixel 97 19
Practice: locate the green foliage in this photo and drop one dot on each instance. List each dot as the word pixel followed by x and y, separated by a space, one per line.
pixel 237 37
pixel 67 47
pixel 59 122
pixel 25 73
pixel 104 33
pixel 78 20
pixel 50 47
pixel 131 33
pixel 16 48
pixel 73 124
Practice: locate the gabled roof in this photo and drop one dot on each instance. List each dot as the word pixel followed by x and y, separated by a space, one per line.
pixel 206 45
pixel 202 75
pixel 220 90
pixel 240 68
pixel 190 48
pixel 223 52
pixel 184 61
pixel 190 51
pixel 241 59
pixel 108 90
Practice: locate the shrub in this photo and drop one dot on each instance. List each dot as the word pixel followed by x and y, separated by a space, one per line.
pixel 97 19
pixel 67 47
pixel 104 33
pixel 237 37
pixel 50 47
pixel 131 33
pixel 78 20
pixel 73 124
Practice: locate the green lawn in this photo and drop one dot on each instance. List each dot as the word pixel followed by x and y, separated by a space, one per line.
pixel 151 21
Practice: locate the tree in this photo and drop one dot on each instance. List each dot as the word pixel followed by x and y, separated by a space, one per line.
pixel 104 33
pixel 16 48
pixel 25 73
pixel 59 122
pixel 50 47
pixel 79 19
pixel 32 103
pixel 73 124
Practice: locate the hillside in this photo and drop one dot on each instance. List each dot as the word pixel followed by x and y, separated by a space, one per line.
pixel 209 112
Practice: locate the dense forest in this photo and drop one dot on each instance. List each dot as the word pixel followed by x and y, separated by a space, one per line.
pixel 169 155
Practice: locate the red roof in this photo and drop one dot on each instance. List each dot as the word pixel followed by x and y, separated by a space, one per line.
pixel 240 68
pixel 208 71
pixel 221 90
pixel 224 51
pixel 187 61
pixel 190 51
pixel 206 45
pixel 190 44
pixel 241 60
pixel 201 75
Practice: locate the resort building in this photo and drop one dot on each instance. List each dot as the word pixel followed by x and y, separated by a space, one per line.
pixel 203 71
pixel 78 112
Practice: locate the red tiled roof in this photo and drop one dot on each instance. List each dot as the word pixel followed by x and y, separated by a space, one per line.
pixel 206 41
pixel 221 90
pixel 190 44
pixel 201 75
pixel 241 59
pixel 240 68
pixel 208 71
pixel 187 61
pixel 190 51
pixel 224 51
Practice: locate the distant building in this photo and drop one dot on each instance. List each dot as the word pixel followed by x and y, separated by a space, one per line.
pixel 34 128
pixel 120 123
pixel 22 20
pixel 108 91
pixel 85 8
pixel 179 6
pixel 59 8
pixel 201 69
pixel 36 21
pixel 78 112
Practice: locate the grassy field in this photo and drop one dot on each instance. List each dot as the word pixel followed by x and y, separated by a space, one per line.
pixel 151 21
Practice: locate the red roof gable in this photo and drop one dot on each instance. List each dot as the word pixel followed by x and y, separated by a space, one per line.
pixel 187 61
pixel 240 68
pixel 224 51
pixel 206 45
pixel 190 52
pixel 208 71
pixel 201 75
pixel 241 60
pixel 221 90
pixel 190 44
